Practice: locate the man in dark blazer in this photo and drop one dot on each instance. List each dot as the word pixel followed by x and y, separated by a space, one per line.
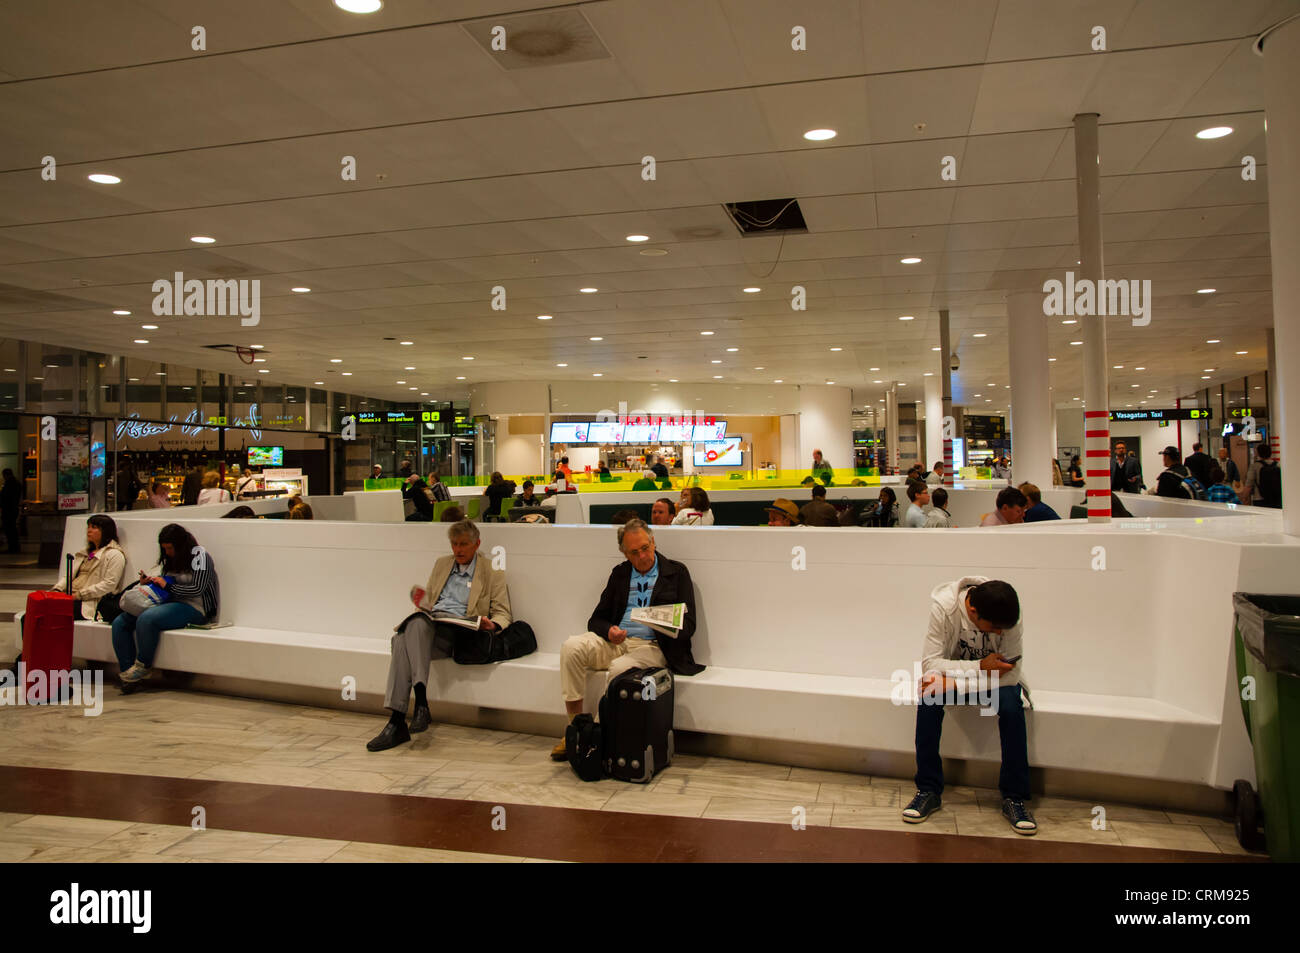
pixel 614 643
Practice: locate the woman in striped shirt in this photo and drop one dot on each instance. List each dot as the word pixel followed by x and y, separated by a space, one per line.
pixel 192 593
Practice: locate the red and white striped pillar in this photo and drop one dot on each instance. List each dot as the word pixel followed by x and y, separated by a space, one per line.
pixel 1096 381
pixel 945 376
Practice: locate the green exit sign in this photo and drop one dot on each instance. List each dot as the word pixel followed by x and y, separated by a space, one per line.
pixel 431 415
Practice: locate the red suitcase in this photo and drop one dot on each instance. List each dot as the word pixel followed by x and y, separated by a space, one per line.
pixel 47 640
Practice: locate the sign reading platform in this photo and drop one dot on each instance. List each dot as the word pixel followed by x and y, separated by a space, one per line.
pixel 383 417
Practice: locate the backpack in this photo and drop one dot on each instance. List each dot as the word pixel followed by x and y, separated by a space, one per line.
pixel 476 647
pixel 1270 485
pixel 1192 487
pixel 583 741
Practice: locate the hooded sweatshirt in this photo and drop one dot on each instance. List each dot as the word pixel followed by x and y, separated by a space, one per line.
pixel 954 647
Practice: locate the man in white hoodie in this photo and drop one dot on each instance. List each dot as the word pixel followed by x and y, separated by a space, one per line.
pixel 974 642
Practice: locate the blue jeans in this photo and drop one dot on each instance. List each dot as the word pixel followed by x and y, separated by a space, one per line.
pixel 1014 779
pixel 136 638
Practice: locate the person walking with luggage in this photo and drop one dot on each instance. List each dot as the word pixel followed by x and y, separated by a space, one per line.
pixel 613 643
pixel 11 502
pixel 99 567
pixel 975 634
pixel 188 576
pixel 460 587
pixel 1263 485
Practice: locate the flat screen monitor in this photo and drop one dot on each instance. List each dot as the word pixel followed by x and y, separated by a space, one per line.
pixel 569 433
pixel 609 431
pixel 266 456
pixel 710 432
pixel 641 433
pixel 674 433
pixel 721 453
pixel 958 453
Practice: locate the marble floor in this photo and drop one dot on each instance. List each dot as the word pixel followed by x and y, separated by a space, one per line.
pixel 210 738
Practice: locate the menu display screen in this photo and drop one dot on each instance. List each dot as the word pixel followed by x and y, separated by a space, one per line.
pixel 675 433
pixel 569 433
pixel 266 456
pixel 710 432
pixel 605 432
pixel 725 453
pixel 640 433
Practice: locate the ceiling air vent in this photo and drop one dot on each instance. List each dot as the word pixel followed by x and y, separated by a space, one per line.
pixel 548 38
pixel 767 216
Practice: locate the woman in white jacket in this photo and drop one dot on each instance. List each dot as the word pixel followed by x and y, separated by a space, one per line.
pixel 213 491
pixel 98 569
pixel 694 510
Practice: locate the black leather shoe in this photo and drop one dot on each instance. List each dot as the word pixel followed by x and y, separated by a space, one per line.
pixel 421 720
pixel 394 734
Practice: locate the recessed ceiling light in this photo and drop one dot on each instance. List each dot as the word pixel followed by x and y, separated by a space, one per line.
pixel 596 339
pixel 1050 360
pixel 598 374
pixel 460 378
pixel 1211 340
pixel 160 373
pixel 1205 291
pixel 561 365
pixel 134 380
pixel 256 347
pixel 760 368
pixel 988 400
pixel 412 388
pixel 259 360
pixel 141 341
pixel 751 290
pixel 717 377
pixel 837 349
pixel 935 349
pixel 928 374
pixel 1069 321
pixel 715 362
pixel 977 395
pixel 1075 343
pixel 706 333
pixel 1241 352
pixel 873 368
pixel 906 317
pixel 778 381
pixel 347 373
pixel 359 6
pixel 467 358
pixel 202 240
pixel 820 135
pixel 300 291
pixel 638 238
pixel 148 327
pixel 408 368
pixel 120 311
pixel 336 360
pixel 544 317
pixel 401 382
pixel 103 178
pixel 672 380
pixel 406 343
pixel 877 382
pixel 1205 377
pixel 1214 132
pixel 424 393
pixel 588 291
pixel 733 350
pixel 318 383
pixel 910 261
pixel 1139 368
pixel 263 371
pixel 1134 385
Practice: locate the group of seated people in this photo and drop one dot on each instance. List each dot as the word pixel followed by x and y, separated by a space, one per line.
pixel 974 640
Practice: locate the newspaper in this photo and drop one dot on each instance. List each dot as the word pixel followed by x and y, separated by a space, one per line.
pixel 668 620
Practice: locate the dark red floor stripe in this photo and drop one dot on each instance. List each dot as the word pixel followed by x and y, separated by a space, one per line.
pixel 544 832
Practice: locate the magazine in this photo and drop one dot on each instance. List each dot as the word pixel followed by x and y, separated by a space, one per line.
pixel 464 621
pixel 667 620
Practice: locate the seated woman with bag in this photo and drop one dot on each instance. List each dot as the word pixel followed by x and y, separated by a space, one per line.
pixel 99 567
pixel 184 592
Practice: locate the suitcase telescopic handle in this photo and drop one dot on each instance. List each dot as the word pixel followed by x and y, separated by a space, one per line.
pixel 69 573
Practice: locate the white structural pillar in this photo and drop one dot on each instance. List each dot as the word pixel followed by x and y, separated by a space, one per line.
pixel 1274 438
pixel 933 421
pixel 1096 382
pixel 1031 419
pixel 945 377
pixel 891 427
pixel 1281 49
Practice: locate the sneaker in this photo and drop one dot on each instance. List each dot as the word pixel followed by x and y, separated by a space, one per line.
pixel 560 752
pixel 922 805
pixel 136 673
pixel 1022 822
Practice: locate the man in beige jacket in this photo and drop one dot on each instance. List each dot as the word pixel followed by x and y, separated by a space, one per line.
pixel 460 587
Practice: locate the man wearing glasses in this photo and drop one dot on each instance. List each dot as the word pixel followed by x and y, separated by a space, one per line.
pixel 614 643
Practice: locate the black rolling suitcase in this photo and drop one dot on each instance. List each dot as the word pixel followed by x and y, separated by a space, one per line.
pixel 636 720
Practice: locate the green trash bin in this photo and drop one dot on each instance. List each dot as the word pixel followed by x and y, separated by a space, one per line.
pixel 1268 651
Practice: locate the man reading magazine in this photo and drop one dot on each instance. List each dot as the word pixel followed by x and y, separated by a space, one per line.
pixel 462 593
pixel 615 641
